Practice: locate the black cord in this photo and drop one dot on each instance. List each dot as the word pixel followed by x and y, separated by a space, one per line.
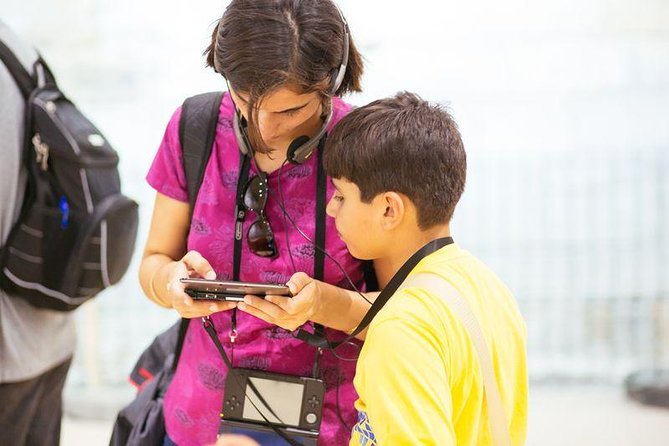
pixel 282 205
pixel 339 415
pixel 208 326
pixel 285 222
pixel 341 268
pixel 306 237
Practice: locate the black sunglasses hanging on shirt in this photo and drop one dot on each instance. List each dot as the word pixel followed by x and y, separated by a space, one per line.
pixel 259 235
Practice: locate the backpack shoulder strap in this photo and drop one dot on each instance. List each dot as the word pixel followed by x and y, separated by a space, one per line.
pixel 181 337
pixel 197 130
pixel 23 79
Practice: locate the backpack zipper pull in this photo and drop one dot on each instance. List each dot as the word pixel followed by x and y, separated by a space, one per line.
pixel 41 152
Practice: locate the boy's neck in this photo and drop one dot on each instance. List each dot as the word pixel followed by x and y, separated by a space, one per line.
pixel 407 244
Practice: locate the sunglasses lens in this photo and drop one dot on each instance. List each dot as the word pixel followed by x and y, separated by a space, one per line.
pixel 255 195
pixel 261 239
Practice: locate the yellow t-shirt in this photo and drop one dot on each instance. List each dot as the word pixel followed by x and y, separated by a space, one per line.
pixel 418 376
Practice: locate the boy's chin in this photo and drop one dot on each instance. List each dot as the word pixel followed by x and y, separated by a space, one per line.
pixel 358 254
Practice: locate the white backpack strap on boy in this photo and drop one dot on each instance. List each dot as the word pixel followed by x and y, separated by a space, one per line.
pixel 461 309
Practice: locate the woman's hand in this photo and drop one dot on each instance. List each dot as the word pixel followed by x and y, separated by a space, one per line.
pixel 190 265
pixel 287 312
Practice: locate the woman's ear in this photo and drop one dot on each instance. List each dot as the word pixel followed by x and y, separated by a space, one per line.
pixel 394 210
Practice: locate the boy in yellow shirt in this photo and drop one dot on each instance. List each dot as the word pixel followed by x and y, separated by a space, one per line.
pixel 398 166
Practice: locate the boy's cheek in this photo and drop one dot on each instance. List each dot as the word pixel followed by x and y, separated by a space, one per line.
pixel 340 231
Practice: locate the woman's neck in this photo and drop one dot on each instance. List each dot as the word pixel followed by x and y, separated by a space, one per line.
pixel 270 162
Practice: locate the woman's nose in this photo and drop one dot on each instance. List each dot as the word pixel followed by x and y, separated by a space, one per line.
pixel 267 126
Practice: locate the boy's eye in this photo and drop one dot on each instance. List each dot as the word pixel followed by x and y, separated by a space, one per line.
pixel 339 198
pixel 290 113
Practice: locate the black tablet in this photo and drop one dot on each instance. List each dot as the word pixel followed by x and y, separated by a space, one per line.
pixel 203 289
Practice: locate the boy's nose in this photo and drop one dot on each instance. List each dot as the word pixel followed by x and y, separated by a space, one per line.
pixel 330 208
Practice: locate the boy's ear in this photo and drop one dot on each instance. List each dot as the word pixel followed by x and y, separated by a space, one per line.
pixel 394 210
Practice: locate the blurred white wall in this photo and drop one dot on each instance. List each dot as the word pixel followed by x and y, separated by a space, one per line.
pixel 519 74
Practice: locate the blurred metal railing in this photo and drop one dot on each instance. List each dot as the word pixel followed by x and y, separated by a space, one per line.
pixel 582 238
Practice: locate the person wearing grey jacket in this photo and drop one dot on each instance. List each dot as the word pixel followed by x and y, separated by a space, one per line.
pixel 36 345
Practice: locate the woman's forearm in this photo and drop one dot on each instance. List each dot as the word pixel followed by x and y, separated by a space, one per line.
pixel 153 278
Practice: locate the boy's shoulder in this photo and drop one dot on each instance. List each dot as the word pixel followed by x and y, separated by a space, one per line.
pixel 468 275
pixel 443 262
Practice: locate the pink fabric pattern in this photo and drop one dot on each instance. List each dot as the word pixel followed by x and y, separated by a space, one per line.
pixel 194 399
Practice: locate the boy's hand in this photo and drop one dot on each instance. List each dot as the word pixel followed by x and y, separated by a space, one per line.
pixel 191 265
pixel 287 312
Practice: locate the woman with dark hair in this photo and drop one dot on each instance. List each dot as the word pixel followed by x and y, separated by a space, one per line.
pixel 286 62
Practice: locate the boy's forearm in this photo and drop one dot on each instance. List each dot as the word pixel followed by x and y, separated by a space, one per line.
pixel 342 309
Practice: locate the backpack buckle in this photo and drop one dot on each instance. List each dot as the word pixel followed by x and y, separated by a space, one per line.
pixel 41 152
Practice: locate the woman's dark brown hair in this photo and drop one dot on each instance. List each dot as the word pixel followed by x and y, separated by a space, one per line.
pixel 260 45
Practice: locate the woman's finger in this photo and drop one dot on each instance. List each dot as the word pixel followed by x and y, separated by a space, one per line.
pixel 283 302
pixel 265 306
pixel 298 281
pixel 202 308
pixel 253 311
pixel 199 264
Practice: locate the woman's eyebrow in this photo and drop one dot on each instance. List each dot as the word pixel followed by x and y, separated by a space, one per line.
pixel 294 108
pixel 287 110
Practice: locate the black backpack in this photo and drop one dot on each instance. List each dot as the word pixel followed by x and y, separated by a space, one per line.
pixel 76 232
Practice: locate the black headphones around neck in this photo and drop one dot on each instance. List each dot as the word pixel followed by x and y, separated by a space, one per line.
pixel 302 147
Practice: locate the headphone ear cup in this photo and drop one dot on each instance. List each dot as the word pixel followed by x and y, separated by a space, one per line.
pixel 294 154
